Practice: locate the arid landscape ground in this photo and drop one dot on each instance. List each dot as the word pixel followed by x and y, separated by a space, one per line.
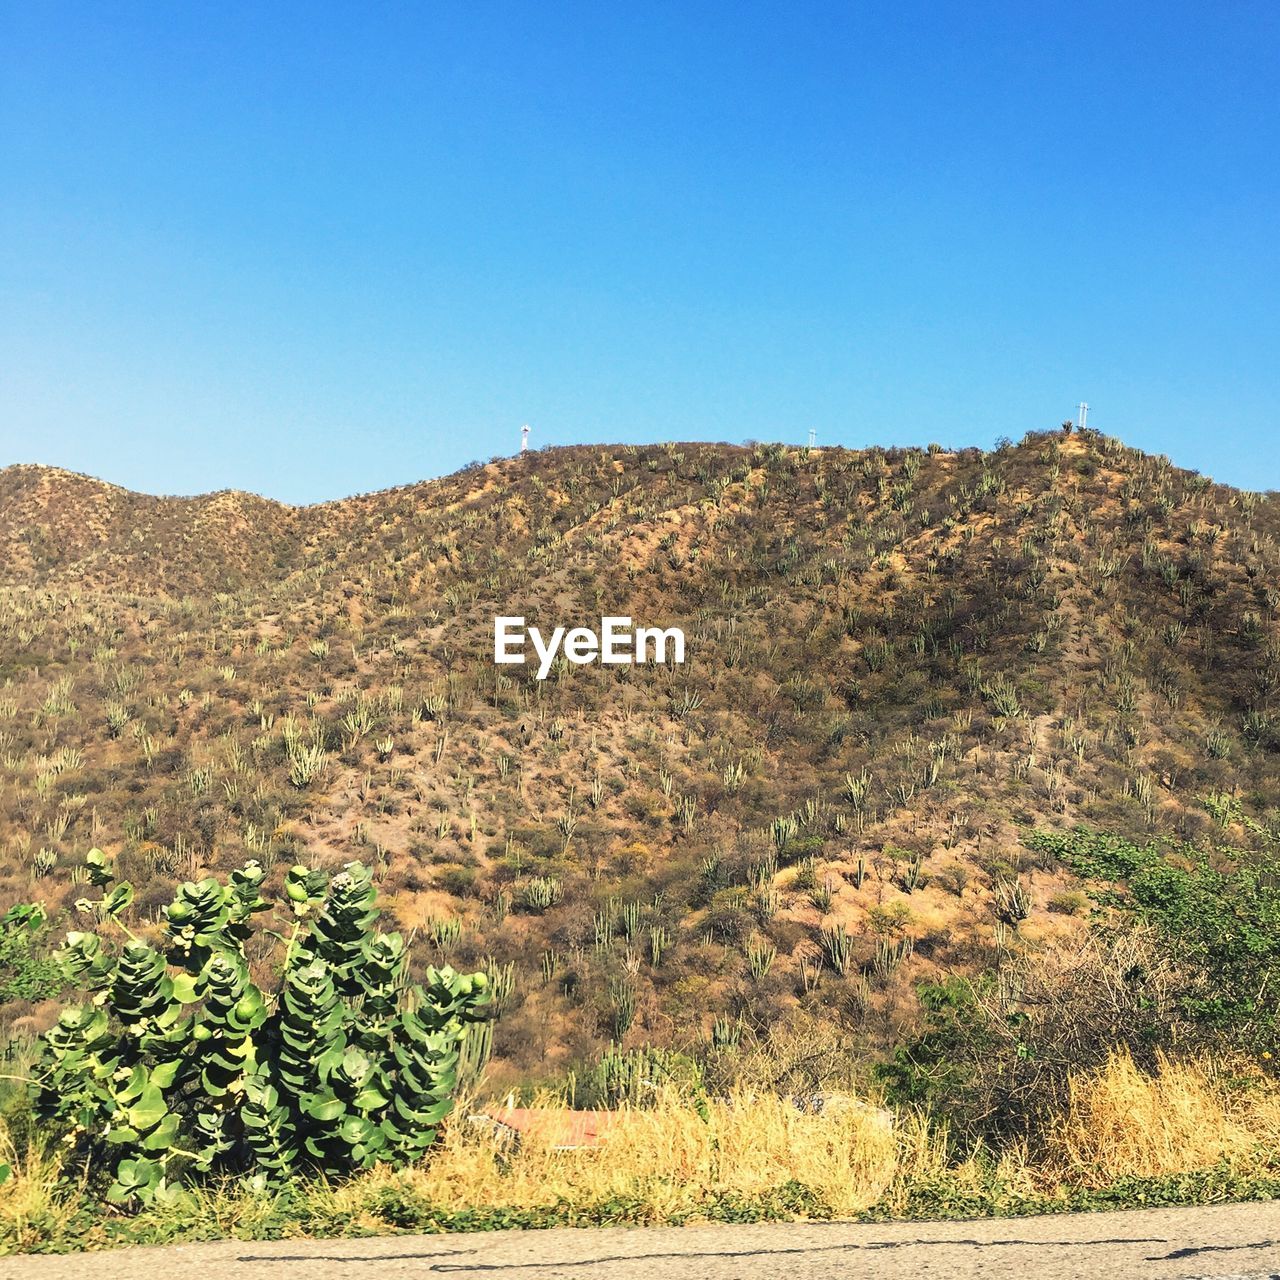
pixel 898 660
pixel 844 846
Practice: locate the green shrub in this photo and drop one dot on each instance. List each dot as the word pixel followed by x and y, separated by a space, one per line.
pixel 1070 902
pixel 1219 915
pixel 181 1066
pixel 27 970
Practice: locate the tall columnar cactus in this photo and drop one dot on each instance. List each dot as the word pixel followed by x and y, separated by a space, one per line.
pixel 183 1066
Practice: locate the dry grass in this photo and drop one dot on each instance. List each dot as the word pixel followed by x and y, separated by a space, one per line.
pixel 673 1164
pixel 31 1192
pixel 670 1156
pixel 1188 1115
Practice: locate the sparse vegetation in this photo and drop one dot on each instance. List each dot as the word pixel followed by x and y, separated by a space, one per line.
pixel 911 676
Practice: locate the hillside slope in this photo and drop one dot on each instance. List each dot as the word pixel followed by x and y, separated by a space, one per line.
pixel 896 660
pixel 58 526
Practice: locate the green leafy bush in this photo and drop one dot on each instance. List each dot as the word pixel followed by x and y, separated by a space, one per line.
pixel 27 972
pixel 181 1066
pixel 1218 913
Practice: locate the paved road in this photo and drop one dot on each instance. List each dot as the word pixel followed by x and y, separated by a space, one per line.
pixel 1228 1242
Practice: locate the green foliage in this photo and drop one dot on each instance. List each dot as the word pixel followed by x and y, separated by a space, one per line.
pixel 182 1066
pixel 945 1194
pixel 27 970
pixel 313 1212
pixel 1218 913
pixel 1189 944
pixel 377 1207
pixel 936 1063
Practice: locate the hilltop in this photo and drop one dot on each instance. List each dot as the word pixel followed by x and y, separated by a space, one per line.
pixel 898 661
pixel 60 526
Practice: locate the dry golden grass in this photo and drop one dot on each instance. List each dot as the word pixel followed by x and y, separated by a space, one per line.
pixel 672 1163
pixel 671 1157
pixel 31 1191
pixel 1188 1115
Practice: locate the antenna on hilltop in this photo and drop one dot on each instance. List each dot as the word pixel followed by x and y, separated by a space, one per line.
pixel 524 438
pixel 813 438
pixel 1082 412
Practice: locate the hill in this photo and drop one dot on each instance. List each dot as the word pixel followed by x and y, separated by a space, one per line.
pixel 60 527
pixel 898 660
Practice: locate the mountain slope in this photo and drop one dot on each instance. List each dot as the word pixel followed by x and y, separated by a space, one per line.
pixel 58 526
pixel 896 659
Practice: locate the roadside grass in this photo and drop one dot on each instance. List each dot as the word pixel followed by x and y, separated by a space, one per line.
pixel 1189 1132
pixel 1188 1115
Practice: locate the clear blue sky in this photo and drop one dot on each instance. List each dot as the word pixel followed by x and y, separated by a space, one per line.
pixel 315 249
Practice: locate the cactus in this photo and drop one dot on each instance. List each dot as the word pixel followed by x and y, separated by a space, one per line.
pixel 726 1033
pixel 622 996
pixel 821 895
pixel 1012 901
pixel 477 1049
pixel 909 878
pixel 502 983
pixel 184 1068
pixel 630 920
pixel 1002 696
pixel 783 831
pixel 541 893
pixel 837 949
pixel 760 958
pixel 890 953
pixel 637 1078
pixel 445 934
pixel 306 763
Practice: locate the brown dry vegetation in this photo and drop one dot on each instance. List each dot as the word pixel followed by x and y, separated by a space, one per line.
pixel 1150 1133
pixel 896 659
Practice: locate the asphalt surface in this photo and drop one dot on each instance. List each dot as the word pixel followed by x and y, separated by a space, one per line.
pixel 1227 1242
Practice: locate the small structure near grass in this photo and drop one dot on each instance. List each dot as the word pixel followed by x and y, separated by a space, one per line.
pixel 557 1128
